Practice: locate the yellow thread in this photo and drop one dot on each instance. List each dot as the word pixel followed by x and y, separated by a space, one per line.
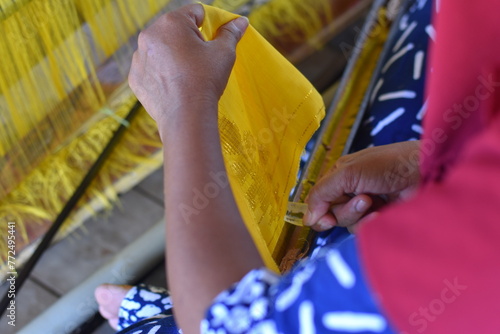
pixel 51 94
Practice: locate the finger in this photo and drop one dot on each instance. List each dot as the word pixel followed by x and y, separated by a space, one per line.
pixel 318 208
pixel 195 12
pixel 320 200
pixel 354 228
pixel 351 212
pixel 230 33
pixel 132 75
pixel 329 190
pixel 325 223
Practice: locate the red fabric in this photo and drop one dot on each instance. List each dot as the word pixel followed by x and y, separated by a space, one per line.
pixel 434 260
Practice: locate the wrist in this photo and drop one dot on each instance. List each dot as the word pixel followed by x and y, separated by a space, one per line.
pixel 182 114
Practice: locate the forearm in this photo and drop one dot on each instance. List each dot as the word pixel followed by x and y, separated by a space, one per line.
pixel 208 245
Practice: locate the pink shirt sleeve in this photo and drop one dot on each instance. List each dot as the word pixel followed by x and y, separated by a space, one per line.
pixel 434 260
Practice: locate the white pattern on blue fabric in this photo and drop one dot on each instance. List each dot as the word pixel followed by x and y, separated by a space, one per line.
pixel 247 292
pixel 404 68
pixel 131 305
pixel 402 94
pixel 403 23
pixel 377 87
pixel 148 311
pixel 397 56
pixel 238 320
pixel 421 4
pixel 258 309
pixel 246 314
pixel 405 35
pixel 290 295
pixel 149 296
pixel 369 120
pixel 143 302
pixel 354 322
pixel 340 269
pixel 417 128
pixel 422 111
pixel 154 330
pixel 320 242
pixel 431 32
pixel 219 312
pixel 306 318
pixel 418 65
pixel 264 327
pixel 388 120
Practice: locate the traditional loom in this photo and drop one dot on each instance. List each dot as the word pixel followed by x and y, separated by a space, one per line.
pixel 63 93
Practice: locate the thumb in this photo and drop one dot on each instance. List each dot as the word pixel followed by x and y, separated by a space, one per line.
pixel 231 32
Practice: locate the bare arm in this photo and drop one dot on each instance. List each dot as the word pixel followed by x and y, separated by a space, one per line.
pixel 179 79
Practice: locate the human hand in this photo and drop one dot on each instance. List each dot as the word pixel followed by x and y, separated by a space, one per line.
pixel 362 182
pixel 174 67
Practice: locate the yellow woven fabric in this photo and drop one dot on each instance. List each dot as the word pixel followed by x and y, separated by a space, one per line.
pixel 267 114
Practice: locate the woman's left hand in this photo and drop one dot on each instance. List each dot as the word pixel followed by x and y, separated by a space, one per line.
pixel 174 67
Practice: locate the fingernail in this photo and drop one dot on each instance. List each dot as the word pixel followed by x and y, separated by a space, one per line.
pixel 324 224
pixel 241 23
pixel 361 206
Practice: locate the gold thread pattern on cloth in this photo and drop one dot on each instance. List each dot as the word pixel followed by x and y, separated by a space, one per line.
pixel 267 114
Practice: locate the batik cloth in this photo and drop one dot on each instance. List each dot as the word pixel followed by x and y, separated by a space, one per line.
pixel 325 294
pixel 397 99
pixel 145 302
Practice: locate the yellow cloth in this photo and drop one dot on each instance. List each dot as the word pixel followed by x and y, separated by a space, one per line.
pixel 267 114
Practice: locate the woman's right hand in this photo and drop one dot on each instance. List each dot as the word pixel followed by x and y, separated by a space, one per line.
pixel 362 182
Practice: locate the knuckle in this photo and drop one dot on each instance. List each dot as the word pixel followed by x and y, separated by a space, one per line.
pixel 347 176
pixel 132 84
pixel 172 17
pixel 143 39
pixel 131 80
pixel 231 35
pixel 225 29
pixel 342 162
